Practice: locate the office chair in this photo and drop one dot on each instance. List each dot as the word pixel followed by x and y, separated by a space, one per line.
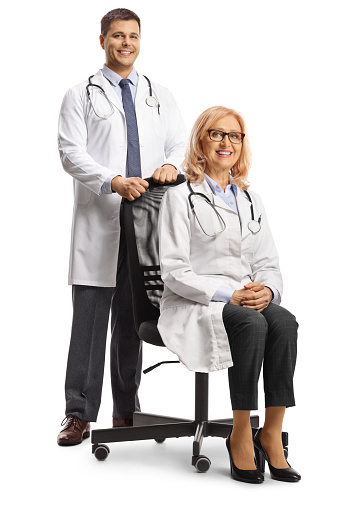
pixel 140 223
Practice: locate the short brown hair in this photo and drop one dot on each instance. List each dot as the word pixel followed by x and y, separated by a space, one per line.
pixel 124 14
pixel 194 165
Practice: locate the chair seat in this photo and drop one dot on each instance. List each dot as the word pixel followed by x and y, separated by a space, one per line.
pixel 149 333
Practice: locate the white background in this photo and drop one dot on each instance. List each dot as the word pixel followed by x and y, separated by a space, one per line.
pixel 275 62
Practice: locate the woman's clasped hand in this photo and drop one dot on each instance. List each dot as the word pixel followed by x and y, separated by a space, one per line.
pixel 254 296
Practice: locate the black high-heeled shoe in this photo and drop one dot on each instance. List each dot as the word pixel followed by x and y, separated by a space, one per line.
pixel 250 476
pixel 279 474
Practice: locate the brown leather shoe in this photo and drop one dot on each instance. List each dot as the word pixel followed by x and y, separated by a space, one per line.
pixel 74 432
pixel 122 423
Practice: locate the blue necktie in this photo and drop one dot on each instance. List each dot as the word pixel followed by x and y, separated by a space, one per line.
pixel 133 149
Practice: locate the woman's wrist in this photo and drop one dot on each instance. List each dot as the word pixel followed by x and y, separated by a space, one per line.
pixel 270 292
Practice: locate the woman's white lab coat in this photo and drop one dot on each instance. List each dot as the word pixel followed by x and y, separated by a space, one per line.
pixel 92 149
pixel 194 266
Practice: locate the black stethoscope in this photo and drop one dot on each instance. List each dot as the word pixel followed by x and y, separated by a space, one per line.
pixel 151 101
pixel 253 225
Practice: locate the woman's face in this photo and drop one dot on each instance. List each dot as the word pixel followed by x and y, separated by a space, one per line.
pixel 222 155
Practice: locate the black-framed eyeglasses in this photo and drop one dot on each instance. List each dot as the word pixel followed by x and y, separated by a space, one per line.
pixel 233 136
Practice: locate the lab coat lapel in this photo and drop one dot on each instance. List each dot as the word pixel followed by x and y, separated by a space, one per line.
pixel 205 189
pixel 244 209
pixel 99 79
pixel 142 90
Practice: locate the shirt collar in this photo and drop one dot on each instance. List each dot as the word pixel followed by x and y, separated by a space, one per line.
pixel 214 186
pixel 114 78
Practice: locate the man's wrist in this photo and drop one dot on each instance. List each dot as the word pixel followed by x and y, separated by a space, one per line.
pixel 169 164
pixel 113 191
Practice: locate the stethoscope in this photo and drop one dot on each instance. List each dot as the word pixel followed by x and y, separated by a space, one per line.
pixel 253 225
pixel 151 101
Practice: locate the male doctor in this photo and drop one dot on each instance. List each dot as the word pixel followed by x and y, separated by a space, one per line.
pixel 112 133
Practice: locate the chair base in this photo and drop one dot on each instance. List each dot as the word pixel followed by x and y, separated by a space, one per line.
pixel 159 427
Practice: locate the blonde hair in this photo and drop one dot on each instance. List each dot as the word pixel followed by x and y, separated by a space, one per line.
pixel 195 162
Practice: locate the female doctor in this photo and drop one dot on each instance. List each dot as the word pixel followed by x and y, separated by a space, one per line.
pixel 220 307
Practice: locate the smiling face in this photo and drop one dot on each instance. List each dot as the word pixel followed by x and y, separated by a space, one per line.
pixel 121 45
pixel 221 156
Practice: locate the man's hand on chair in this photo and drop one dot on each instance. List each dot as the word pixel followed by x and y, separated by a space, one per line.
pixel 165 174
pixel 129 188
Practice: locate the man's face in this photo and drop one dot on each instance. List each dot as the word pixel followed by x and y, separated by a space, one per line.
pixel 121 45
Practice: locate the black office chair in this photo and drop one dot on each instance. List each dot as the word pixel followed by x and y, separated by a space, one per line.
pixel 140 222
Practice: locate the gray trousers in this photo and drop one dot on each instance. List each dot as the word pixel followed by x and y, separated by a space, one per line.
pixel 267 339
pixel 86 358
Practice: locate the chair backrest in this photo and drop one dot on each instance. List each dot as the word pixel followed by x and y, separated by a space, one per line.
pixel 141 228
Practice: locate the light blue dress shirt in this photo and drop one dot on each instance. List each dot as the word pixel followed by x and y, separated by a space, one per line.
pixel 114 80
pixel 223 293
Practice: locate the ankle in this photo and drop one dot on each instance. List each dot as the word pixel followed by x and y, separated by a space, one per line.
pixel 241 435
pixel 268 434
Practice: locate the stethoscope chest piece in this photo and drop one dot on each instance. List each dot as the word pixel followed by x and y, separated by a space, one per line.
pixel 254 226
pixel 151 101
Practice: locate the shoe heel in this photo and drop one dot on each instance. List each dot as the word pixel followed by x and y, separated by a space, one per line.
pixel 86 434
pixel 260 460
pixel 231 467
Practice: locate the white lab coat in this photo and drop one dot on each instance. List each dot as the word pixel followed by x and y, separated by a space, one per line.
pixel 91 149
pixel 194 266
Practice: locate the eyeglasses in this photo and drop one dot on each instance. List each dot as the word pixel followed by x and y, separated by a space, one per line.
pixel 233 136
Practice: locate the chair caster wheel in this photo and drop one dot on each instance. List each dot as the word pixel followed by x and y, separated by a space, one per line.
pixel 101 452
pixel 201 463
pixel 160 440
